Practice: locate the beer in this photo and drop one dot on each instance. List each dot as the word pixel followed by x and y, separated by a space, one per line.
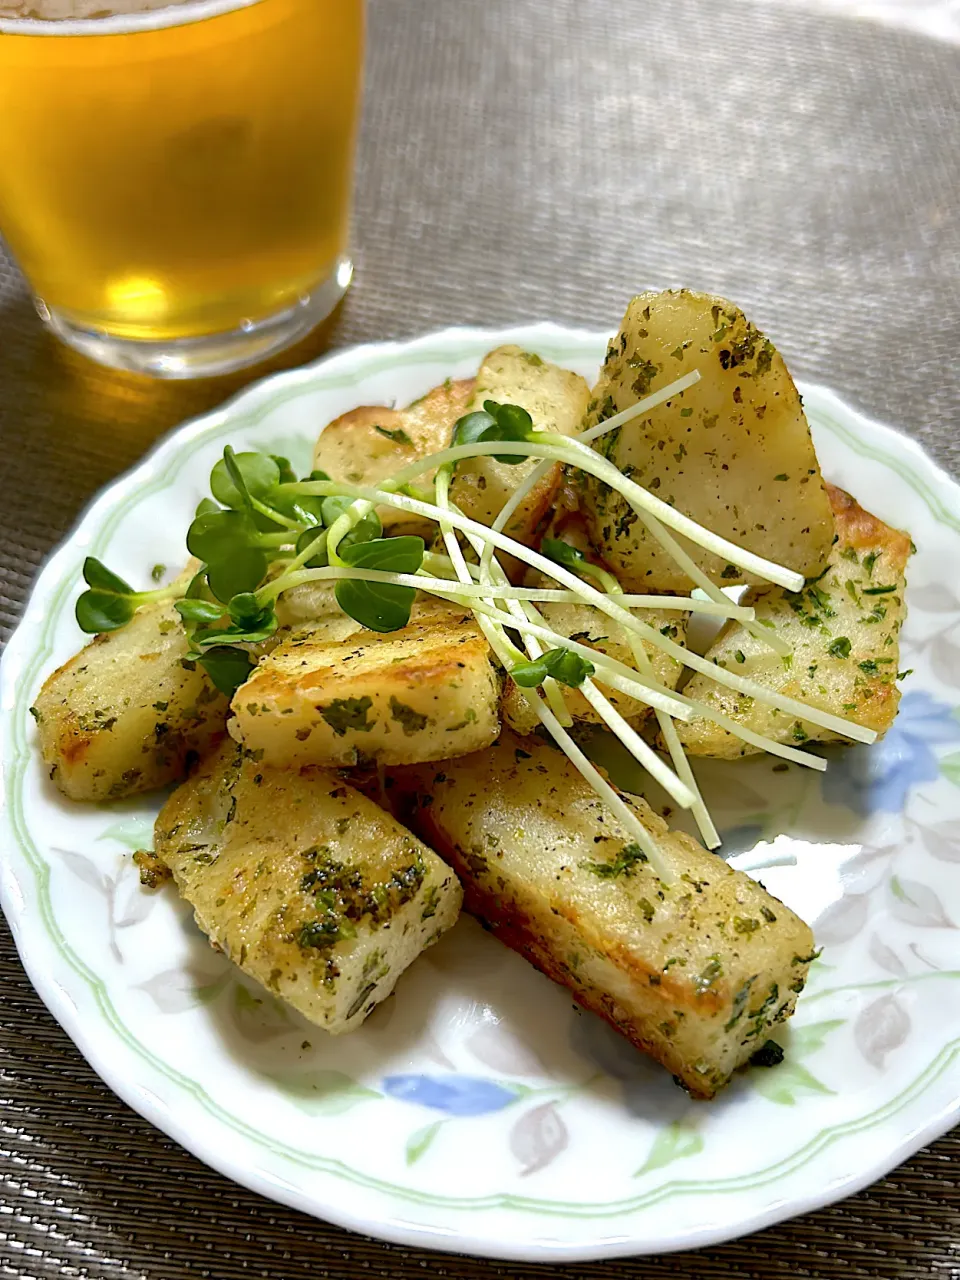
pixel 171 172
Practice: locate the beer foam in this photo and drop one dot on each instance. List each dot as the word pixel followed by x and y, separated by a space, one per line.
pixel 107 17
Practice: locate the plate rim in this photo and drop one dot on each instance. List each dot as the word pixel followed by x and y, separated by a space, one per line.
pixel 244 404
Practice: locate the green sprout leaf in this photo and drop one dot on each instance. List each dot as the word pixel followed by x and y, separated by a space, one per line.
pixel 252 623
pixel 206 506
pixel 365 530
pixel 380 606
pixel 565 666
pixel 239 477
pixel 228 541
pixel 472 427
pixel 199 610
pixel 495 422
pixel 227 668
pixel 305 507
pixel 199 587
pixel 513 421
pixel 214 534
pixel 563 553
pixel 246 611
pixel 244 570
pixel 99 611
pixel 287 473
pixel 109 604
pixel 308 538
pixel 96 574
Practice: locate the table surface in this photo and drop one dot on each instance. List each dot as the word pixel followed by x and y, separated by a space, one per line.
pixel 521 161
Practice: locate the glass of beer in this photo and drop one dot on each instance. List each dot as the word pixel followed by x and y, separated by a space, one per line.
pixel 175 175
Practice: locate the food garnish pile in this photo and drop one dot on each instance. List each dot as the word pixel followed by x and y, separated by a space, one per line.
pixel 380 680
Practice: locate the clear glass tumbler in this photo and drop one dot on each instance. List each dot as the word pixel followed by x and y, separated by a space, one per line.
pixel 175 178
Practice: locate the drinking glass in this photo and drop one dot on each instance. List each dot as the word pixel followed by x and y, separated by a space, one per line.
pixel 175 178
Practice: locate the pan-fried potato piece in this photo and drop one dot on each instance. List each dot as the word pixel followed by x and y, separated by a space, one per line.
pixel 307 886
pixel 423 693
pixel 595 629
pixel 312 610
pixel 844 629
pixel 695 975
pixel 128 712
pixel 372 442
pixel 556 400
pixel 733 452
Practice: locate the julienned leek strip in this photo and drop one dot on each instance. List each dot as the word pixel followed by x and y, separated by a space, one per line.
pixel 681 784
pixel 528 620
pixel 573 454
pixel 684 771
pixel 654 527
pixel 552 692
pixel 377 497
pixel 501 647
pixel 454 588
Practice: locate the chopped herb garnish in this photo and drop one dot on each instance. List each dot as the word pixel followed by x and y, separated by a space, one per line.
pixel 409 720
pixel 839 648
pixel 622 865
pixel 343 714
pixel 398 435
pixel 770 1054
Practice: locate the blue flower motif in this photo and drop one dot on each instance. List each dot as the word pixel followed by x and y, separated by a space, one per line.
pixel 879 778
pixel 456 1095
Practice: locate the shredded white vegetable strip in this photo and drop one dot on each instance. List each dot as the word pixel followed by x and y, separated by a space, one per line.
pixel 453 589
pixel 634 410
pixel 675 784
pixel 504 651
pixel 677 789
pixel 641 752
pixel 616 674
pixel 551 690
pixel 575 454
pixel 696 574
pixel 644 755
pixel 846 728
pixel 681 764
pixel 666 540
pixel 758 740
pixel 550 721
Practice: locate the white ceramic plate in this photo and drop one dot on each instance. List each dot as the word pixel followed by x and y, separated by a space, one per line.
pixel 478 1110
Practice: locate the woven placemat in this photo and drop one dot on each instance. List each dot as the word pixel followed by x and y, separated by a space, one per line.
pixel 541 159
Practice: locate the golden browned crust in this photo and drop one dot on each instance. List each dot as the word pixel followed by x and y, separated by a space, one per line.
pixel 859 529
